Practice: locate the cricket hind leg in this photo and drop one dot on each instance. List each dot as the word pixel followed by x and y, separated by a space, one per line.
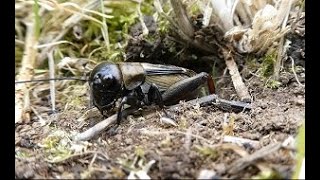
pixel 187 88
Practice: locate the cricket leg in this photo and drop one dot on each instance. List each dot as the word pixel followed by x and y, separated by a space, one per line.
pixel 154 95
pixel 187 88
pixel 131 100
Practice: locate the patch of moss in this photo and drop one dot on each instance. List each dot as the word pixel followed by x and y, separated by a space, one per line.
pixel 139 152
pixel 207 152
pixel 273 84
pixel 267 65
pixel 18 54
pixel 56 146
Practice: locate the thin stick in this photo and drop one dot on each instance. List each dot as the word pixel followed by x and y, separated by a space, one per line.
pixel 104 27
pixel 237 81
pixel 52 83
pixel 93 159
pixel 277 64
pixel 145 30
pixel 90 133
pixel 294 72
pixel 285 7
pixel 26 72
pixel 244 162
pixel 240 141
pixel 41 120
pixel 54 43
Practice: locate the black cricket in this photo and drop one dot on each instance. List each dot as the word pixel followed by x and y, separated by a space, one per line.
pixel 140 84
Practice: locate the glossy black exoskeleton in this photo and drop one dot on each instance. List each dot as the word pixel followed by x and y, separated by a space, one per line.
pixel 140 84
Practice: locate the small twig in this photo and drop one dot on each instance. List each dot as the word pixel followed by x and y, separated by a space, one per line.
pixel 104 28
pixel 41 120
pixel 26 72
pixel 243 153
pixel 19 42
pixel 52 83
pixel 93 159
pixel 237 81
pixel 294 72
pixel 93 51
pixel 49 45
pixel 281 51
pixel 145 30
pixel 240 141
pixel 244 162
pixel 96 129
pixel 187 143
pixel 277 64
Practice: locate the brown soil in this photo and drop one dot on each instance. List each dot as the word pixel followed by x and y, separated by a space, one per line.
pixel 183 151
pixel 179 152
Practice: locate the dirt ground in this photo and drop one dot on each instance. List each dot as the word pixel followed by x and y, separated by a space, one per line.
pixel 195 142
pixel 195 145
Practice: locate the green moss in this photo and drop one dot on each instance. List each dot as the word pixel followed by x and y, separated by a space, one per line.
pixel 273 84
pixel 194 9
pixel 147 7
pixel 56 146
pixel 207 152
pixel 139 151
pixel 268 64
pixel 18 54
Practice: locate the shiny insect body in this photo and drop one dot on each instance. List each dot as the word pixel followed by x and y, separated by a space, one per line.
pixel 140 84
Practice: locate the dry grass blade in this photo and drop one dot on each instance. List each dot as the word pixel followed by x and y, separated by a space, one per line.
pixel 294 72
pixel 26 73
pixel 243 153
pixel 277 64
pixel 104 28
pixel 281 50
pixel 182 18
pixel 250 159
pixel 240 87
pixel 241 141
pixel 145 30
pixel 69 22
pixel 52 83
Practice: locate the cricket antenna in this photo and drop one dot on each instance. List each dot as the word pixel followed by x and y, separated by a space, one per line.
pixel 52 79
